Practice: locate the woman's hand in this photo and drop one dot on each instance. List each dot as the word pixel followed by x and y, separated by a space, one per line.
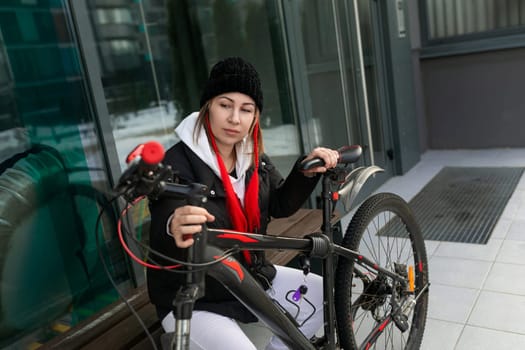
pixel 187 221
pixel 329 156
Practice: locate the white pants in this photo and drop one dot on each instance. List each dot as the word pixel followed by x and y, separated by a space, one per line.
pixel 213 331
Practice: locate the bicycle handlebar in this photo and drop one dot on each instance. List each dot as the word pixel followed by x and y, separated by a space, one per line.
pixel 347 155
pixel 147 176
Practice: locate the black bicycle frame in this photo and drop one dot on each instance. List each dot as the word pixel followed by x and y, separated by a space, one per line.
pixel 210 245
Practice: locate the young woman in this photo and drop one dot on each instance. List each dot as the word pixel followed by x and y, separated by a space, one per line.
pixel 221 146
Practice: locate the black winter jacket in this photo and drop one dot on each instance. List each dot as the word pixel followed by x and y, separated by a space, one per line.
pixel 277 198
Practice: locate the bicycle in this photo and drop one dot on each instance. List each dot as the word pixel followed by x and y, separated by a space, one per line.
pixel 375 295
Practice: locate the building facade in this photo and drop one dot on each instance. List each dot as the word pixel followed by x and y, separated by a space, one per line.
pixel 84 81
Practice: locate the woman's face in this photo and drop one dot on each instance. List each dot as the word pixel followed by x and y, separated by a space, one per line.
pixel 231 116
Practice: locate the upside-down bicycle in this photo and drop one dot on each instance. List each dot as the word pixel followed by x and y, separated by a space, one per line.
pixel 375 282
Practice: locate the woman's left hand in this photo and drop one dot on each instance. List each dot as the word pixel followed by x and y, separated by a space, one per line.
pixel 329 156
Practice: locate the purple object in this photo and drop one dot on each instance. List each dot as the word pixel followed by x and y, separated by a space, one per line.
pixel 297 294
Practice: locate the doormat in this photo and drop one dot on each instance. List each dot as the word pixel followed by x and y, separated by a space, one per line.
pixel 464 204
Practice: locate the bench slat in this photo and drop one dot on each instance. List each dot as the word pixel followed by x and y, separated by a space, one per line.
pixel 299 225
pixel 95 325
pixel 127 332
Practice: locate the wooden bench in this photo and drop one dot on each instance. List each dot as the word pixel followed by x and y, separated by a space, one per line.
pixel 115 327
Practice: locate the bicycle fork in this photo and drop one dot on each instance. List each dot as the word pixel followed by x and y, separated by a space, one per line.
pixel 183 306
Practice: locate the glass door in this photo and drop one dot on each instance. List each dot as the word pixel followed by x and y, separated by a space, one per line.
pixel 372 54
pixel 331 43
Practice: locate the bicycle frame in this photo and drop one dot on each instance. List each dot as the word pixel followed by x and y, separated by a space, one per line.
pixel 247 290
pixel 210 245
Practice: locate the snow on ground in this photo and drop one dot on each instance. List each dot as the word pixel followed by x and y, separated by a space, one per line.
pixel 155 126
pixel 130 130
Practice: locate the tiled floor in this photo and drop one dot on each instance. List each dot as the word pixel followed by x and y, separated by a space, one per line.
pixel 477 296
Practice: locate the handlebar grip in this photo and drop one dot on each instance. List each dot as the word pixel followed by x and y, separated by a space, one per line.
pixel 347 155
pixel 312 163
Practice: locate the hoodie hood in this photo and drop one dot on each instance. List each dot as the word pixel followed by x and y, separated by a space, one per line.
pixel 202 148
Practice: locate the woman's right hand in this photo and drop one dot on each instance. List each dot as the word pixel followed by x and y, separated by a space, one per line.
pixel 187 221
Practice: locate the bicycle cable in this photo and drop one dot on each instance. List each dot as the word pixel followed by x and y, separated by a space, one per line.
pixel 226 254
pixel 112 281
pixel 203 266
pixel 298 307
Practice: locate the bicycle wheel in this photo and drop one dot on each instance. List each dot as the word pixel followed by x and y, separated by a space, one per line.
pixel 373 311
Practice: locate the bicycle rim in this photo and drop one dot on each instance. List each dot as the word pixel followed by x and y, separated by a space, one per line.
pixel 384 230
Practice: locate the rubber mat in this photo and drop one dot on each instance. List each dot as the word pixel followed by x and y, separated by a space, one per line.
pixel 464 204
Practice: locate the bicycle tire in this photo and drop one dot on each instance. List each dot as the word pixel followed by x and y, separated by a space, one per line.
pixel 384 230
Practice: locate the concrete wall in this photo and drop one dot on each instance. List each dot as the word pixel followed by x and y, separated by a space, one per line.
pixel 468 101
pixel 415 50
pixel 475 101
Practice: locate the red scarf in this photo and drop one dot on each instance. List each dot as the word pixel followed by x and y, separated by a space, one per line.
pixel 249 219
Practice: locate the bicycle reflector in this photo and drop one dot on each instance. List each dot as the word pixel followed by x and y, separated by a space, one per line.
pixel 411 279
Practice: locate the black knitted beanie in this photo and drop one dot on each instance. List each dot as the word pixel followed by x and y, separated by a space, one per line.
pixel 233 74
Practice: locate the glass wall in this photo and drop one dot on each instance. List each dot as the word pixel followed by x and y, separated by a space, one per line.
pixel 154 57
pixel 52 180
pixel 134 61
pixel 339 105
pixel 151 58
pixel 73 72
pixel 323 68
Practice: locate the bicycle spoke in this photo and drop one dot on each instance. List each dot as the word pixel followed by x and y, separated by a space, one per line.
pixel 383 231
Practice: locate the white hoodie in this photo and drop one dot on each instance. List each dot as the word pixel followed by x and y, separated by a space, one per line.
pixel 201 147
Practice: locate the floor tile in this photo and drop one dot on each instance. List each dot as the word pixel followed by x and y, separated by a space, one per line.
pixel 521 184
pixel 518 195
pixel 499 311
pixel 506 278
pixel 476 338
pixel 431 247
pixel 510 211
pixel 517 229
pixel 458 272
pixel 486 252
pixel 514 156
pixel 485 315
pixel 520 212
pixel 501 229
pixel 451 304
pixel 441 335
pixel 512 252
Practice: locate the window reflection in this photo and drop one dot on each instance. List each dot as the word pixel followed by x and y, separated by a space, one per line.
pixel 153 70
pixel 136 71
pixel 52 181
pixel 114 15
pixel 122 47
